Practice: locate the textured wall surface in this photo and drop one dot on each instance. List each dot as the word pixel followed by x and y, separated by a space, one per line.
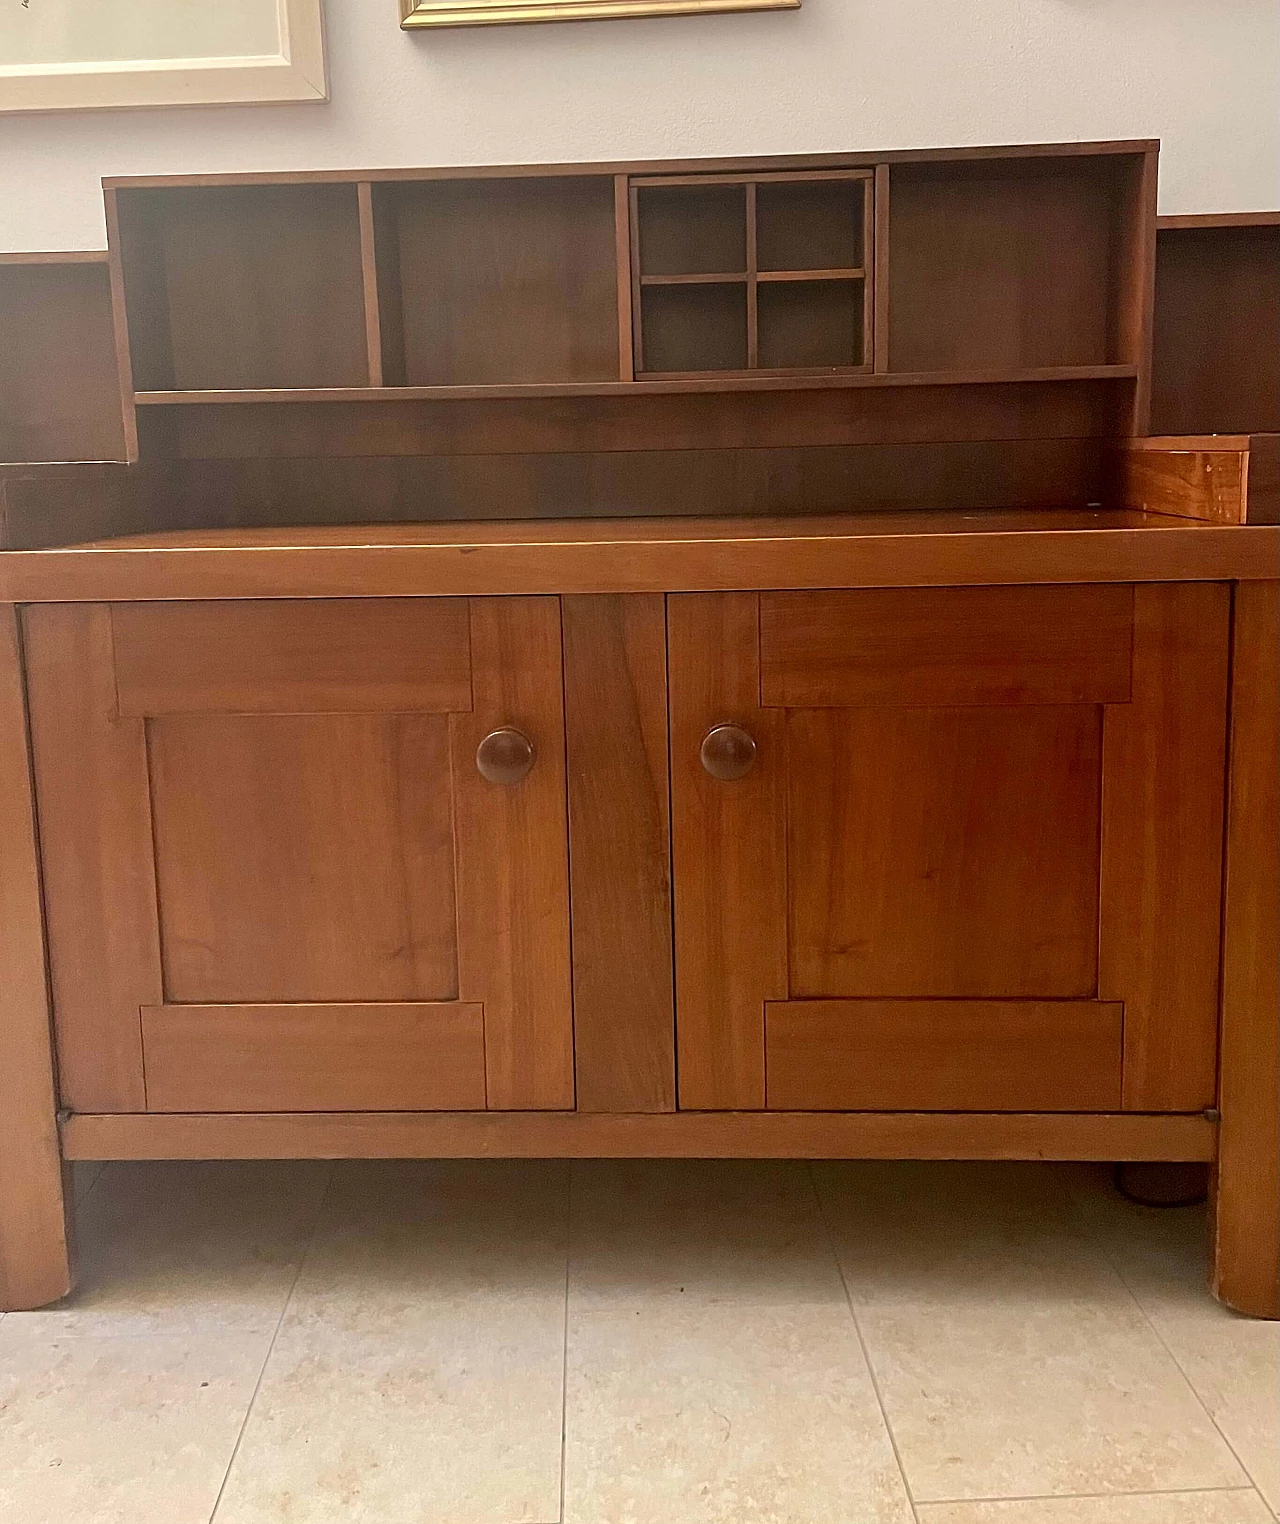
pixel 1201 75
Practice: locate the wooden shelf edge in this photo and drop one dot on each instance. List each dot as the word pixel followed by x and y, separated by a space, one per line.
pixel 1178 220
pixel 533 1135
pixel 731 381
pixel 56 257
pixel 746 165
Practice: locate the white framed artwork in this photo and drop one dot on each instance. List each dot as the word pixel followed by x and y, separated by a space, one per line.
pixel 63 55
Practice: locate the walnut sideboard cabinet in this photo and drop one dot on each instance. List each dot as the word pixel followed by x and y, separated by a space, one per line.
pixel 371 784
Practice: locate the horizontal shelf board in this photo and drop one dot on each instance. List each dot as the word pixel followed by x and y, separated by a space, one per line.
pixel 851 274
pixel 57 257
pixel 775 374
pixel 1211 220
pixel 728 279
pixel 729 381
pixel 665 182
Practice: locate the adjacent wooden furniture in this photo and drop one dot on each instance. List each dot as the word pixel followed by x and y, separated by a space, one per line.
pixel 644 659
pixel 57 360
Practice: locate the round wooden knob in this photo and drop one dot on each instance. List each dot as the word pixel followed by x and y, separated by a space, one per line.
pixel 728 752
pixel 505 756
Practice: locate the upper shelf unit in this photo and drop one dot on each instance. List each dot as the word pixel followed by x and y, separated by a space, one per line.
pixel 1003 265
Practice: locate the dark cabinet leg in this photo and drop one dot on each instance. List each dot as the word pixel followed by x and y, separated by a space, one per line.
pixel 34 1260
pixel 1246 1194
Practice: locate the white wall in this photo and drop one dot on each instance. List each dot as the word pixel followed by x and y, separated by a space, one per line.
pixel 1201 75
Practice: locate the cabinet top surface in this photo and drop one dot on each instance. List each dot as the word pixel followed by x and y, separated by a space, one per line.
pixel 645 555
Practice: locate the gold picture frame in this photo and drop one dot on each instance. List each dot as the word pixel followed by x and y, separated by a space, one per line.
pixel 416 13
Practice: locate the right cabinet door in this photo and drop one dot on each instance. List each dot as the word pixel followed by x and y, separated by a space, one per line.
pixel 949 848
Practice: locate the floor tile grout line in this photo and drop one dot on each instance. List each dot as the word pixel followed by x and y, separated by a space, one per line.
pixel 1077 1497
pixel 1146 1317
pixel 1208 1412
pixel 862 1343
pixel 564 1368
pixel 275 1334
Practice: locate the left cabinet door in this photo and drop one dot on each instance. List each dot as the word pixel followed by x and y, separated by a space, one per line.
pixel 277 878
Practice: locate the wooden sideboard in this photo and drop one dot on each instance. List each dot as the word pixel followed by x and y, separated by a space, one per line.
pixel 696 659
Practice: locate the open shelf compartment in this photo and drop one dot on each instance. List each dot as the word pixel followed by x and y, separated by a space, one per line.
pixel 496 282
pixel 243 286
pixel 741 273
pixel 1012 263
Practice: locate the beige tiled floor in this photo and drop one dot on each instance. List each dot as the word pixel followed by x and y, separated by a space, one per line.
pixel 627 1343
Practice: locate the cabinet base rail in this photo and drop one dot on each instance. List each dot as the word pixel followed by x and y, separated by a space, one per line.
pixel 565 1134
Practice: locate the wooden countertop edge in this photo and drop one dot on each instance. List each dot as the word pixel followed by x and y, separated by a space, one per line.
pixel 1178 550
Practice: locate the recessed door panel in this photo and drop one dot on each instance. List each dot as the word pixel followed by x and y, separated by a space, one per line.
pixel 304 857
pixel 944 852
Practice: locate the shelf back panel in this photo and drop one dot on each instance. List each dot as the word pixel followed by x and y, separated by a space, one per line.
pixel 59 394
pixel 1007 263
pixel 244 286
pixel 1216 367
pixel 501 281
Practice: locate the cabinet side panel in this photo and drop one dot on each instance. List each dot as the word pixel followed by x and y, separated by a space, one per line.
pixel 511 844
pixel 1246 1274
pixel 619 851
pixel 728 855
pixel 95 832
pixel 33 1243
pixel 1163 761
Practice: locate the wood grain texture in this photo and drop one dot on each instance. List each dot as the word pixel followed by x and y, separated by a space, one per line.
pixel 963 645
pixel 1262 490
pixel 369 283
pixel 622 259
pixel 304 857
pixel 409 1057
pixel 508 280
pixel 34 1262
pixel 677 1135
pixel 642 416
pixel 1217 330
pixel 1162 792
pixel 511 846
pixel 293 657
pixel 943 852
pixel 1132 312
pixel 1246 1227
pixel 943 1055
pixel 59 397
pixel 117 237
pixel 1205 479
pixel 653 555
pixel 728 854
pixel 95 843
pixel 257 285
pixel 1104 148
pixel 1006 263
pixel 615 681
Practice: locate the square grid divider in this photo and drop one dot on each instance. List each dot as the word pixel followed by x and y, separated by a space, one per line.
pixel 768 274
